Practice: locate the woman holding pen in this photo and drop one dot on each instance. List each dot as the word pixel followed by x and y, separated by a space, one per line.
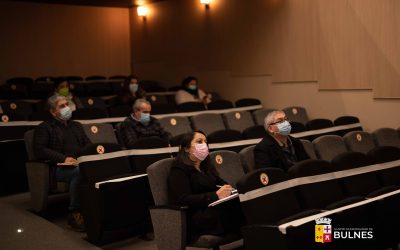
pixel 195 183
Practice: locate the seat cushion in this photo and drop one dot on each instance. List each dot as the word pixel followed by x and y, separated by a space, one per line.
pixel 211 241
pixel 298 216
pixel 344 202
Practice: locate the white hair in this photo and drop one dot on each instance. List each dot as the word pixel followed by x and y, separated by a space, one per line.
pixel 138 103
pixel 270 118
pixel 53 100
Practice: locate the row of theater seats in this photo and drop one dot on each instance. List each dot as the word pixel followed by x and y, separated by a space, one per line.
pixel 96 107
pixel 271 200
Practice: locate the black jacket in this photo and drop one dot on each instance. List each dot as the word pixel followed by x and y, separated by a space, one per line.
pixel 132 130
pixel 48 139
pixel 269 154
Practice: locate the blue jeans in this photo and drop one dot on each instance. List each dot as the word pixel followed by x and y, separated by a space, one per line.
pixel 70 176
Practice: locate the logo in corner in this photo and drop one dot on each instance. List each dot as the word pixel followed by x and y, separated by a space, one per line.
pixel 323 230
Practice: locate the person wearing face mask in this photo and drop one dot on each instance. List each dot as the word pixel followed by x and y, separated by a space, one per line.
pixel 140 124
pixel 59 141
pixel 130 92
pixel 61 88
pixel 278 149
pixel 194 182
pixel 191 93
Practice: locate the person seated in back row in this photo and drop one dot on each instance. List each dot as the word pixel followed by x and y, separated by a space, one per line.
pixel 194 182
pixel 190 92
pixel 278 149
pixel 130 92
pixel 140 124
pixel 59 141
pixel 62 88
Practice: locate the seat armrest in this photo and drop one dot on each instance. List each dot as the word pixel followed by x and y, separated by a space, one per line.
pixel 255 236
pixel 168 221
pixel 38 180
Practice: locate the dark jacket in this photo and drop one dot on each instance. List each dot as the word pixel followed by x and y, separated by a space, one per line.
pixel 48 139
pixel 269 154
pixel 196 190
pixel 132 130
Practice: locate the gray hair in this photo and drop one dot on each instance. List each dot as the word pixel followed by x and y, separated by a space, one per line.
pixel 53 100
pixel 270 118
pixel 138 103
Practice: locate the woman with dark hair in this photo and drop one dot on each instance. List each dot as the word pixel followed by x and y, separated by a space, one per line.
pixel 190 92
pixel 195 183
pixel 131 91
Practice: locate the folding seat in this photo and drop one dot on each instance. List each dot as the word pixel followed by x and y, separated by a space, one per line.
pixel 265 208
pixel 41 89
pixel 141 160
pixel 177 126
pixel 167 108
pixel 20 108
pixel 296 114
pixel 151 86
pixel 359 141
pixel 226 135
pixel 316 124
pixel 254 132
pixel 9 131
pixel 113 199
pixel 389 176
pixel 117 77
pixel 247 158
pixel 78 88
pixel 89 113
pixel 100 133
pixel 386 137
pixel 175 88
pixel 98 88
pixel 42 115
pixel 93 102
pixel 118 133
pixel 16 88
pixel 48 79
pixel 73 78
pixel 117 86
pixel 95 78
pixel 120 111
pixel 309 148
pixel 228 166
pixel 169 222
pixel 208 123
pixel 346 120
pixel 328 147
pixel 157 99
pixel 239 120
pixel 190 107
pixel 219 104
pixel 259 115
pixel 244 102
pixel 43 187
pixel 297 127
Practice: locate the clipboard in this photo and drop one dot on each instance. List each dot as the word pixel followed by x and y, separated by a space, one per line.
pixel 230 197
pixel 68 164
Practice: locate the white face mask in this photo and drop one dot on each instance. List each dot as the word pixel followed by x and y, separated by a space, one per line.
pixel 133 87
pixel 65 113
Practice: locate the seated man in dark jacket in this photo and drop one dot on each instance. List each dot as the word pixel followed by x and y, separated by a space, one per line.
pixel 59 141
pixel 278 149
pixel 140 124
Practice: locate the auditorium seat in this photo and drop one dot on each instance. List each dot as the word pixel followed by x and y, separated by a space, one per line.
pixel 244 102
pixel 328 147
pixel 296 114
pixel 386 137
pixel 297 127
pixel 319 123
pixel 73 78
pixel 359 141
pixel 93 102
pixel 41 89
pixel 238 120
pixel 43 186
pixel 78 88
pixel 89 113
pixel 208 123
pixel 9 132
pixel 228 166
pixel 254 132
pixel 98 88
pixel 95 78
pixel 176 126
pixel 260 114
pixel 389 176
pixel 346 120
pixel 247 158
pixel 219 104
pixel 157 99
pixel 266 209
pixel 113 201
pixel 159 109
pixel 309 148
pixel 16 88
pixel 190 107
pixel 21 108
pixel 226 135
pixel 169 222
pixel 100 133
pixel 42 115
pixel 120 111
pixel 117 77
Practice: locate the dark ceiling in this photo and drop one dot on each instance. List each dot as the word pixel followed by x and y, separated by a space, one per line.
pixel 103 3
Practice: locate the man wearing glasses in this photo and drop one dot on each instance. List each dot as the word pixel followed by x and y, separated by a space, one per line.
pixel 278 149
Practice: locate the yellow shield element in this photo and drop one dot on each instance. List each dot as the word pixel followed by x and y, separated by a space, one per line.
pixel 319 233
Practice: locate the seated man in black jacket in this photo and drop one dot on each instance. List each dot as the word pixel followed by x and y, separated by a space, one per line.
pixel 140 124
pixel 58 141
pixel 278 149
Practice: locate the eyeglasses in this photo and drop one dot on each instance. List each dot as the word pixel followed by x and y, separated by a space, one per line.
pixel 280 121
